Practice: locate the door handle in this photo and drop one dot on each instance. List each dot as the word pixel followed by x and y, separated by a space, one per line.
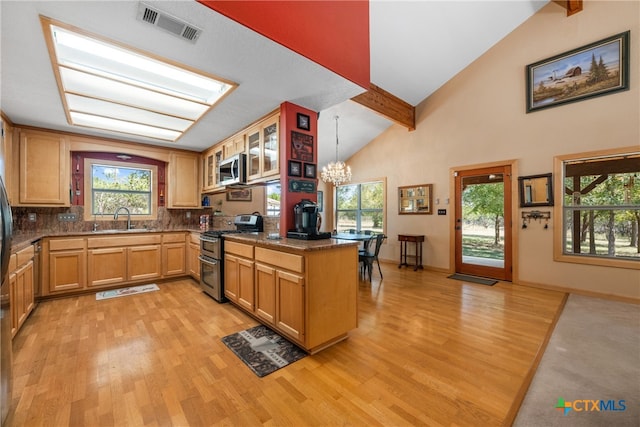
pixel 458 227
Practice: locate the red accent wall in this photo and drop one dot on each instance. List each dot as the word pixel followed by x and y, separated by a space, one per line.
pixel 334 34
pixel 288 123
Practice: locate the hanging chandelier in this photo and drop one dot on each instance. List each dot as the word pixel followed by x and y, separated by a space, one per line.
pixel 336 172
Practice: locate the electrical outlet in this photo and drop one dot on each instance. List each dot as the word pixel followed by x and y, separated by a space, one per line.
pixel 32 216
pixel 67 217
pixel 187 215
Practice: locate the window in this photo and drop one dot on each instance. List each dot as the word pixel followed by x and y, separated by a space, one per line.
pixel 600 208
pixel 361 207
pixel 111 185
pixel 273 199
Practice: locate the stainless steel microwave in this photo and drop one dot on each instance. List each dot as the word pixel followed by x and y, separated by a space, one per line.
pixel 233 170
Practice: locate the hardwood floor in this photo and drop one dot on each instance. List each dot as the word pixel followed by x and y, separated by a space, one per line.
pixel 428 351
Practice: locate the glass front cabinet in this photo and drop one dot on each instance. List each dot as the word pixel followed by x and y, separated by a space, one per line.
pixel 263 149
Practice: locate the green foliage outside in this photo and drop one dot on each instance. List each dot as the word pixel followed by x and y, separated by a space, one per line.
pixel 114 187
pixel 365 200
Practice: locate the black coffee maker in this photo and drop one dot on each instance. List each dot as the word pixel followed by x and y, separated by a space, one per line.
pixel 307 222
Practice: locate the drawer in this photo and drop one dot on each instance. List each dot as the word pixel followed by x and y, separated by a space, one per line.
pixel 173 238
pixel 23 256
pixel 195 238
pixel 66 244
pixel 140 239
pixel 238 249
pixel 281 259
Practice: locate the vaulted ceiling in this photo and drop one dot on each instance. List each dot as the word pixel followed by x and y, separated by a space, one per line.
pixel 415 47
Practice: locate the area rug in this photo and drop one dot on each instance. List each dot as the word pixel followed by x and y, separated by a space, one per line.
pixel 262 350
pixel 589 374
pixel 115 293
pixel 473 279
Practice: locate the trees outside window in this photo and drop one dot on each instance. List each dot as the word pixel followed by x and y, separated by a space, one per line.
pixel 361 207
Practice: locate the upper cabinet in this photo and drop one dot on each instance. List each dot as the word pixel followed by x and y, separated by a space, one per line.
pixel 43 165
pixel 183 189
pixel 234 145
pixel 210 160
pixel 263 149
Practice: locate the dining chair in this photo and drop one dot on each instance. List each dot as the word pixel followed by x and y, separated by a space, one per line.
pixel 367 258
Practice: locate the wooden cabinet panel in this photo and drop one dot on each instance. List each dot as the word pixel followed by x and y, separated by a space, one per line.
pixel 265 300
pixel 281 259
pixel 183 184
pixel 210 162
pixel 143 262
pixel 193 260
pixel 66 270
pixel 107 266
pixel 246 284
pixel 231 278
pixel 21 292
pixel 263 149
pixel 290 304
pixel 43 169
pixel 173 259
pixel 13 301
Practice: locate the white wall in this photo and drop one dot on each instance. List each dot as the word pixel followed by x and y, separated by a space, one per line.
pixel 479 117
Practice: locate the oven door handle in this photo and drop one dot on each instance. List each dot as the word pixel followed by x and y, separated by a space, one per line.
pixel 208 261
pixel 208 239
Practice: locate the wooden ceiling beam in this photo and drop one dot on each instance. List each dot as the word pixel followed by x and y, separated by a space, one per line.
pixel 388 105
pixel 572 6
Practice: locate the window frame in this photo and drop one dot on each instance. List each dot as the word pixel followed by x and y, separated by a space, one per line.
pixel 88 189
pixel 269 212
pixel 359 210
pixel 559 213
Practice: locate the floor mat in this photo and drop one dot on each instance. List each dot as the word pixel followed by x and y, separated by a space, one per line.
pixel 473 279
pixel 115 293
pixel 263 350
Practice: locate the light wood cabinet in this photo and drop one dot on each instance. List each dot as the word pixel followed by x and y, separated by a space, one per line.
pixel 174 255
pixel 21 292
pixel 308 296
pixel 193 256
pixel 106 266
pixel 64 265
pixel 43 169
pixel 183 183
pixel 234 145
pixel 6 153
pixel 210 160
pixel 239 276
pixel 263 149
pixel 143 262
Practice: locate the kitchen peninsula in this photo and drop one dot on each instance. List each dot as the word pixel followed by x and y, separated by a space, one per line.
pixel 306 290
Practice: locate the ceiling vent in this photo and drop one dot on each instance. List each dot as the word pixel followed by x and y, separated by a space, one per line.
pixel 163 20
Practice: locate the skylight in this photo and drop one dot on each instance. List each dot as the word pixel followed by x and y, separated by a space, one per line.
pixel 106 85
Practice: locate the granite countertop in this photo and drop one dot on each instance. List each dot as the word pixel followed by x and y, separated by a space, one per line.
pixel 262 239
pixel 21 240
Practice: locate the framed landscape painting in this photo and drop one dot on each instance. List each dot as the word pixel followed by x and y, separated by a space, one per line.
pixel 599 68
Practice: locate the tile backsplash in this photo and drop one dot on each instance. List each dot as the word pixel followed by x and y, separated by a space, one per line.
pixel 47 220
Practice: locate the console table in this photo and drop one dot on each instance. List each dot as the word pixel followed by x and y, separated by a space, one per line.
pixel 417 239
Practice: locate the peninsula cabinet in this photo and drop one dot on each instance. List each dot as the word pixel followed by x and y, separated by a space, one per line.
pixel 307 291
pixel 238 274
pixel 43 169
pixel 21 285
pixel 183 184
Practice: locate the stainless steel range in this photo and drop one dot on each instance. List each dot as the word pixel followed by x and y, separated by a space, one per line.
pixel 212 253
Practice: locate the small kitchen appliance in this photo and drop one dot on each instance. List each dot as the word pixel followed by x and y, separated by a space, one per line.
pixel 307 222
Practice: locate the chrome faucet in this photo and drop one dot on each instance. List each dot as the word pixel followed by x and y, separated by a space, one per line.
pixel 115 216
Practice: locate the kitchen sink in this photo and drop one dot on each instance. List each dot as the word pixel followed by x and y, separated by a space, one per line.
pixel 121 230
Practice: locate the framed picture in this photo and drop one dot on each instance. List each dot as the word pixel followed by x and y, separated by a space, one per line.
pixel 304 122
pixel 301 146
pixel 309 170
pixel 239 195
pixel 599 68
pixel 295 168
pixel 320 201
pixel 415 199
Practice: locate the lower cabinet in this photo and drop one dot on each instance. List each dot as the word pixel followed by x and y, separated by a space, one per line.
pixel 193 256
pixel 21 287
pixel 97 261
pixel 239 275
pixel 309 296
